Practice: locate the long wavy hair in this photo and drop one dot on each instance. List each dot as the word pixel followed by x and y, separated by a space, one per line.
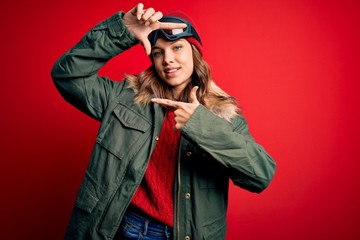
pixel 148 84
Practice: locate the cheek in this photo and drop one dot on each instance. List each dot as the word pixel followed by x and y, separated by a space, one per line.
pixel 158 66
pixel 187 59
pixel 191 59
pixel 189 63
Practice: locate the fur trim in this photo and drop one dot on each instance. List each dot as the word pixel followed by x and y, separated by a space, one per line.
pixel 222 108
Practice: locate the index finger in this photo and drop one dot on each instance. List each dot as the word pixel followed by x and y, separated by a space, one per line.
pixel 170 25
pixel 165 102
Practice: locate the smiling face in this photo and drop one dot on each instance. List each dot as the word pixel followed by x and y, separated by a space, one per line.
pixel 173 62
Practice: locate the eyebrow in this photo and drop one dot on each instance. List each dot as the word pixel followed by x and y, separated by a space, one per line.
pixel 172 42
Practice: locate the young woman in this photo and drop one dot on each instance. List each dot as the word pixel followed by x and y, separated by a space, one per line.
pixel 170 139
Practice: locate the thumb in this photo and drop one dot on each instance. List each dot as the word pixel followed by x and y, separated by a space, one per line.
pixel 147 46
pixel 193 98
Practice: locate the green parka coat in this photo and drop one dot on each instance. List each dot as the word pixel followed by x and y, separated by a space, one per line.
pixel 212 150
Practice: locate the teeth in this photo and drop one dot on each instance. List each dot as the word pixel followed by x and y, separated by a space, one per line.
pixel 171 71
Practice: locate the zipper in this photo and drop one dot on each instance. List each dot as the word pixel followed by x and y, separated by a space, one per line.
pixel 178 193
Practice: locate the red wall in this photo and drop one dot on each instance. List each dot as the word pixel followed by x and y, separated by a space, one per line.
pixel 293 65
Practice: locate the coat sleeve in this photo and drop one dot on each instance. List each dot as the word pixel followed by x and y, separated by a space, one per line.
pixel 75 74
pixel 248 164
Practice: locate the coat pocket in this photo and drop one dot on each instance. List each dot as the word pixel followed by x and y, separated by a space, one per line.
pixel 215 230
pixel 123 131
pixel 86 199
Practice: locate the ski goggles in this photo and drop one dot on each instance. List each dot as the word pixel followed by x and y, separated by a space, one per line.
pixel 174 34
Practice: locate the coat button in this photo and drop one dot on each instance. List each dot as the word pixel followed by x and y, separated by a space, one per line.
pixel 187 238
pixel 157 138
pixel 187 195
pixel 189 154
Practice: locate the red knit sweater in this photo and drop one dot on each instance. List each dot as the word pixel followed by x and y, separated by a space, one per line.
pixel 155 193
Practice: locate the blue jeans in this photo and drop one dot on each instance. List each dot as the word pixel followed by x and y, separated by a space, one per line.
pixel 135 226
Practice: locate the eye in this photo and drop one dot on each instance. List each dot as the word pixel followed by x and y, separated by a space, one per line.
pixel 178 47
pixel 156 53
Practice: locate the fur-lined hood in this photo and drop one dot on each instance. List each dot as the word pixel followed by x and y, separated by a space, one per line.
pixel 217 101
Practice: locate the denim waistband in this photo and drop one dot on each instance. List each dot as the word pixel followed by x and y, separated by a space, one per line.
pixel 142 218
pixel 137 224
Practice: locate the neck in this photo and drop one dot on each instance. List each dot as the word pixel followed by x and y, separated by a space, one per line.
pixel 177 94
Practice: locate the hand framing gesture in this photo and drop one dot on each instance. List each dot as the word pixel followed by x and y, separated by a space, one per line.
pixel 141 22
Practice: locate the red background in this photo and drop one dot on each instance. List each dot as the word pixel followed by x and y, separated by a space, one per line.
pixel 293 65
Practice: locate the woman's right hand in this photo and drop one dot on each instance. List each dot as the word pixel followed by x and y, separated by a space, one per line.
pixel 141 22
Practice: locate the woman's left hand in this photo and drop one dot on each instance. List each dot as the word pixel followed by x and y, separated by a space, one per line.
pixel 183 110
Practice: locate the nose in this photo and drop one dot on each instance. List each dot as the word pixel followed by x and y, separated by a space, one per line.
pixel 168 57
